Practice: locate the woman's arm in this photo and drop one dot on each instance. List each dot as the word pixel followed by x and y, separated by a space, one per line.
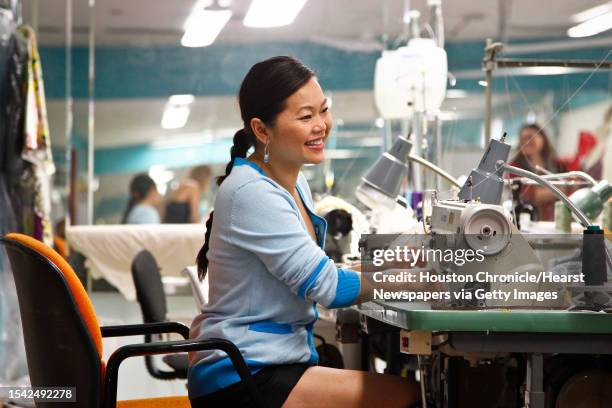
pixel 368 284
pixel 194 203
pixel 264 221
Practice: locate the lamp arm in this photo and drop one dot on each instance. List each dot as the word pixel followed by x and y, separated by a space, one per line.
pixel 501 165
pixel 568 174
pixel 435 169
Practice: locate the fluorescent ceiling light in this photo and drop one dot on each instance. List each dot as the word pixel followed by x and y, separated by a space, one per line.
pixel 272 13
pixel 547 70
pixel 161 176
pixel 368 141
pixel 482 83
pixel 456 93
pixel 180 141
pixel 592 12
pixel 448 115
pixel 592 26
pixel 339 154
pixel 203 26
pixel 175 117
pixel 176 112
pixel 181 99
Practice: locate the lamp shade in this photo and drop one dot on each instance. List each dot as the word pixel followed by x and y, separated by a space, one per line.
pixel 591 200
pixel 381 184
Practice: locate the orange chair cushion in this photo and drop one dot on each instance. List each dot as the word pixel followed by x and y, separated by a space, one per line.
pixel 76 287
pixel 165 402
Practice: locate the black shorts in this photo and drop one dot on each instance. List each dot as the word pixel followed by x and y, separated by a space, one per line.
pixel 274 384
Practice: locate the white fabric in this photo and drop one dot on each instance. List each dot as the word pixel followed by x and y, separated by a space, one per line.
pixel 110 249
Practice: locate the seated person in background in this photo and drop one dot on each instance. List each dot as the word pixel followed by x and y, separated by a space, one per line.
pixel 184 202
pixel 535 149
pixel 144 199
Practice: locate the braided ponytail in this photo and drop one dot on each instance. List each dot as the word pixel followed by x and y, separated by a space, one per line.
pixel 242 142
pixel 263 94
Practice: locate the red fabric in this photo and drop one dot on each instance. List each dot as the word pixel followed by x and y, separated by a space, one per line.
pixel 586 143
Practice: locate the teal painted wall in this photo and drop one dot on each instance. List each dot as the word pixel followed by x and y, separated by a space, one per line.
pixel 156 72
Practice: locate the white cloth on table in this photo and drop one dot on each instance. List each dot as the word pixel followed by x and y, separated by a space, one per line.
pixel 110 249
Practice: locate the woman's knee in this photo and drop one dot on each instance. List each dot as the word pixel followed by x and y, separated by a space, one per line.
pixel 350 388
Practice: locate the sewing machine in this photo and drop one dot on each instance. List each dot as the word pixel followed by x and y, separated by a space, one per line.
pixel 506 266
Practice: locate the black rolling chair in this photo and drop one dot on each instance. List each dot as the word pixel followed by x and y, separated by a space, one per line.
pixel 152 300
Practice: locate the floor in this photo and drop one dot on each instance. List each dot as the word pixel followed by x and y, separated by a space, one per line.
pixel 134 381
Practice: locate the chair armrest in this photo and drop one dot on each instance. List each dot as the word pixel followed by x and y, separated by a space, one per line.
pixel 171 347
pixel 145 328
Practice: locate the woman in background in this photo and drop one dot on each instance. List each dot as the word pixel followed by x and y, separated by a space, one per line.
pixel 184 202
pixel 144 200
pixel 535 152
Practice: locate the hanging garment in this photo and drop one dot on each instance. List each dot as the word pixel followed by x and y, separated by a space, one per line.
pixel 12 103
pixel 37 144
pixel 13 55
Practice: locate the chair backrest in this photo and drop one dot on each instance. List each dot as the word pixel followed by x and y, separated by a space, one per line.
pixel 149 287
pixel 60 328
pixel 199 290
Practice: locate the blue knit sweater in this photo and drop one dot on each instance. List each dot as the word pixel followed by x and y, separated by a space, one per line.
pixel 266 275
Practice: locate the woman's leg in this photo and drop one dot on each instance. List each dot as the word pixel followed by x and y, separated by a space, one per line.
pixel 323 387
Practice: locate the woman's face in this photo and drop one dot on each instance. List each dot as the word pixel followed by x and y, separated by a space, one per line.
pixel 301 130
pixel 531 142
pixel 153 196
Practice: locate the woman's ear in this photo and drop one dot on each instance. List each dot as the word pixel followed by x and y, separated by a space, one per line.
pixel 260 130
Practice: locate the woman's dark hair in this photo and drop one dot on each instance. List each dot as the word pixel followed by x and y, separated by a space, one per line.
pixel 263 95
pixel 140 186
pixel 551 160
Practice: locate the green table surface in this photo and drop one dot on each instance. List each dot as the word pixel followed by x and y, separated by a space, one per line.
pixel 411 316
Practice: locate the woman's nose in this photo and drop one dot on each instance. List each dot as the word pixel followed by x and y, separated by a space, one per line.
pixel 320 126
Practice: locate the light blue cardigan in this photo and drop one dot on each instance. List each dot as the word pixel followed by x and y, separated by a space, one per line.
pixel 266 275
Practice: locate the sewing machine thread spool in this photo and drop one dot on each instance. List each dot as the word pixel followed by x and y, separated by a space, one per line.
pixel 563 217
pixel 593 256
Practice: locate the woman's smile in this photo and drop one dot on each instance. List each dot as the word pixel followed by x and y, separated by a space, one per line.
pixel 316 145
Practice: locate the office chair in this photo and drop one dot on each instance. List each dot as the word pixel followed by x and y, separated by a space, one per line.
pixel 64 340
pixel 152 299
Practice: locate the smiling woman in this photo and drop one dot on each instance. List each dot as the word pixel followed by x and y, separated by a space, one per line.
pixel 265 263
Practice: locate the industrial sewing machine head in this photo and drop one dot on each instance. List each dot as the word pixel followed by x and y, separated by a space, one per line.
pixel 497 265
pixel 504 270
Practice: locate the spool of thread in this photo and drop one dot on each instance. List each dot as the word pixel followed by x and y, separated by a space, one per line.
pixel 563 217
pixel 607 218
pixel 594 256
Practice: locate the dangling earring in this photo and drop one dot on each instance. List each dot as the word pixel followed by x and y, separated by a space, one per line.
pixel 267 152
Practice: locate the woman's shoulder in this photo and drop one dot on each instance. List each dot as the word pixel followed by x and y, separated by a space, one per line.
pixel 143 214
pixel 184 191
pixel 245 185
